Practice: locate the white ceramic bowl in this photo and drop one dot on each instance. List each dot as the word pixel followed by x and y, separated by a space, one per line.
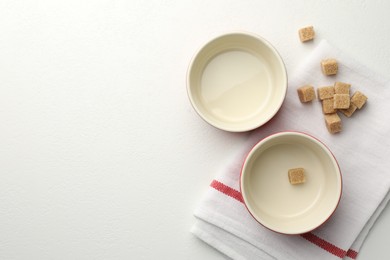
pixel 237 82
pixel 279 205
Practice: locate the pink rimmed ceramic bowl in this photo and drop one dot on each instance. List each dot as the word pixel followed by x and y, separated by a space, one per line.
pixel 237 82
pixel 277 204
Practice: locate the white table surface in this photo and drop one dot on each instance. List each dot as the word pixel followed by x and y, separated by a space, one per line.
pixel 101 153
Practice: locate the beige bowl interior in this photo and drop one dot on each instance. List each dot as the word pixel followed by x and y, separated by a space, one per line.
pixel 279 205
pixel 237 82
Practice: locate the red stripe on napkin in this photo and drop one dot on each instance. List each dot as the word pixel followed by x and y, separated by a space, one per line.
pixel 352 254
pixel 324 244
pixel 329 247
pixel 219 186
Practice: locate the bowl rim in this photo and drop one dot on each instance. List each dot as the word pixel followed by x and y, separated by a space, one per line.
pixel 276 54
pixel 280 133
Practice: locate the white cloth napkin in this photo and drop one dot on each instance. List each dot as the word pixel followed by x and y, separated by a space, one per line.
pixel 362 150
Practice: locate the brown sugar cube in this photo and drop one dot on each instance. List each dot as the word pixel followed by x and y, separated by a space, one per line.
pixel 327 106
pixel 306 34
pixel 296 176
pixel 341 88
pixel 306 93
pixel 333 123
pixel 358 99
pixel 329 67
pixel 325 92
pixel 349 111
pixel 341 101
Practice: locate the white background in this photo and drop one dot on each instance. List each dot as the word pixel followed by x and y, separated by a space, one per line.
pixel 101 153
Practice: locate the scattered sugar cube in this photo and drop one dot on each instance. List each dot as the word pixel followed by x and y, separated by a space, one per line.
pixel 333 123
pixel 341 101
pixel 327 106
pixel 341 88
pixel 325 92
pixel 306 34
pixel 358 99
pixel 349 111
pixel 306 93
pixel 296 176
pixel 329 67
